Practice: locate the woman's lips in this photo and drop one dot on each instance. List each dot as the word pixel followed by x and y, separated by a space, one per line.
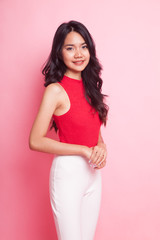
pixel 79 62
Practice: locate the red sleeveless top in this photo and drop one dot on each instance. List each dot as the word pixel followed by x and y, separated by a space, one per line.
pixel 81 124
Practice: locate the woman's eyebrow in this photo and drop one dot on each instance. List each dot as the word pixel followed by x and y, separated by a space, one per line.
pixel 69 44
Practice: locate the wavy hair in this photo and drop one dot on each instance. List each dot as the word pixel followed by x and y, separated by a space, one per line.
pixel 55 68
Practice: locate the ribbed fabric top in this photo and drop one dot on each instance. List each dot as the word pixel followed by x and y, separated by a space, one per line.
pixel 81 124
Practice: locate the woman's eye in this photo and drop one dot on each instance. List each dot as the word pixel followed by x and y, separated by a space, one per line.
pixel 69 48
pixel 84 46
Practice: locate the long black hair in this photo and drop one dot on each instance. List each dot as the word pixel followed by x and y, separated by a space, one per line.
pixel 55 68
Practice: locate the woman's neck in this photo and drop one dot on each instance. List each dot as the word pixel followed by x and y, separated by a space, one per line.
pixel 75 75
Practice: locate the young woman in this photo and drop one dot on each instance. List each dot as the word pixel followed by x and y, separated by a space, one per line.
pixel 74 102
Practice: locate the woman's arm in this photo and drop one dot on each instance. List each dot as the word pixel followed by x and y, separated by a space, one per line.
pixel 51 102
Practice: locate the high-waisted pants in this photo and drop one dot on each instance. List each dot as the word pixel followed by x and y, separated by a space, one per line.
pixel 75 194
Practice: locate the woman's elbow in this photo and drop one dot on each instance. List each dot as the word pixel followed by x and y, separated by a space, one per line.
pixel 33 143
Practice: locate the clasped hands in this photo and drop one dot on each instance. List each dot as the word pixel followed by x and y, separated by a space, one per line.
pixel 98 156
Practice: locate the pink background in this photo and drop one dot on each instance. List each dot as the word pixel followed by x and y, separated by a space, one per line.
pixel 127 36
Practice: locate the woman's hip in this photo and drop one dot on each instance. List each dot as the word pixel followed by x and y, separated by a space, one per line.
pixel 72 170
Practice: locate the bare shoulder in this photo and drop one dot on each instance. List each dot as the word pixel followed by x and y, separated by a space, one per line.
pixel 53 90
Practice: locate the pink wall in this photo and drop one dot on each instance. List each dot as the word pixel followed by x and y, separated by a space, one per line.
pixel 127 37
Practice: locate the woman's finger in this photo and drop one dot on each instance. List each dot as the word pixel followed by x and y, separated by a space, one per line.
pixel 101 158
pixel 98 157
pixel 101 165
pixel 96 153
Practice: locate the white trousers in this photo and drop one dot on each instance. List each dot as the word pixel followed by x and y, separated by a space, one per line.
pixel 75 194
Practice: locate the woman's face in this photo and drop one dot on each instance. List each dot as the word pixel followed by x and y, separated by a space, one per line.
pixel 75 54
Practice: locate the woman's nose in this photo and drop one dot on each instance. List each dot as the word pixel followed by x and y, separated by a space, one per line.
pixel 78 53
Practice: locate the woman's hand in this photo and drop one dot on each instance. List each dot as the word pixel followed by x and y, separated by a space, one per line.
pixel 98 156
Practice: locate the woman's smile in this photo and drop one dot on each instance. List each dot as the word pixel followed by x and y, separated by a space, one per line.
pixel 79 63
